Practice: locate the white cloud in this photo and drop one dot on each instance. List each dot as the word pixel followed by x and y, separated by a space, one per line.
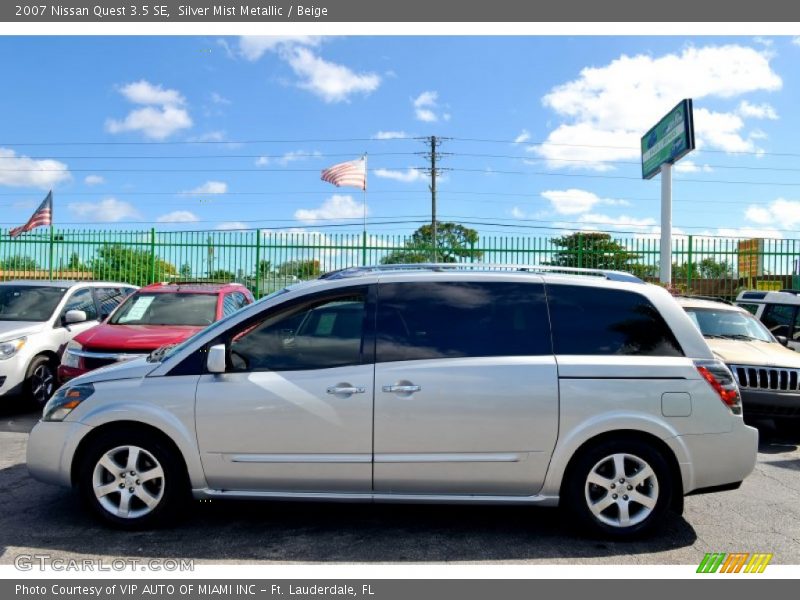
pixel 391 135
pixel 749 232
pixel 622 221
pixel 144 92
pixel 210 136
pixel 524 136
pixel 758 214
pixel 218 98
pixel 407 176
pixel 796 41
pixel 178 216
pixel 209 187
pixel 93 180
pixel 262 161
pixel 606 109
pixel 335 207
pixel 689 166
pixel 517 212
pixel 330 81
pixel 575 201
pixel 426 106
pixel 757 111
pixel 253 47
pixel 22 171
pixel 781 212
pixel 107 210
pixel 297 155
pixel 163 115
pixel 231 225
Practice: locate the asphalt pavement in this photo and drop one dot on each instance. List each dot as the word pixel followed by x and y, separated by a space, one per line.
pixel 762 516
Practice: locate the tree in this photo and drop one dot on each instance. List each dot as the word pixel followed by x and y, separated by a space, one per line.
pixel 186 270
pixel 264 268
pixel 75 263
pixel 18 263
pixel 591 249
pixel 302 269
pixel 115 262
pixel 221 275
pixel 708 268
pixel 453 241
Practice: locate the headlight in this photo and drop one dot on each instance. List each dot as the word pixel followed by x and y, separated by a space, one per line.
pixel 11 347
pixel 65 401
pixel 68 359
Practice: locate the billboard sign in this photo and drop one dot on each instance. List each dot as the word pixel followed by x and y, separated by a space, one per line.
pixel 670 140
pixel 751 258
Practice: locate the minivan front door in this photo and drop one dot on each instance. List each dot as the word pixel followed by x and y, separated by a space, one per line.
pixel 466 388
pixel 293 411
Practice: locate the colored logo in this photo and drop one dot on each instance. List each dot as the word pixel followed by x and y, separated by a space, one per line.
pixel 737 562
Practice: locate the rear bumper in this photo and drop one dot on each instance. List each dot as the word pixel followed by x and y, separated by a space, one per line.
pixel 770 403
pixel 717 460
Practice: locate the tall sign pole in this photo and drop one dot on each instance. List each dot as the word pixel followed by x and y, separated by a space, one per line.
pixel 666 143
pixel 665 270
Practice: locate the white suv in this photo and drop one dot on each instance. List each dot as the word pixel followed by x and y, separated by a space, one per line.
pixel 416 383
pixel 37 319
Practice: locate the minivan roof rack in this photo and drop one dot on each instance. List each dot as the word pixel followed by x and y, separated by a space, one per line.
pixel 611 275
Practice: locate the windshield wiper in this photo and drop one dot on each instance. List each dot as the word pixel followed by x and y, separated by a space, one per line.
pixel 741 336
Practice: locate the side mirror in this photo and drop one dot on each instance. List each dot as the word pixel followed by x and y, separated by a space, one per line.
pixel 215 363
pixel 782 340
pixel 74 316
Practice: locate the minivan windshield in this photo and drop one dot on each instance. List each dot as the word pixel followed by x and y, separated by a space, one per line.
pixel 29 302
pixel 729 324
pixel 166 308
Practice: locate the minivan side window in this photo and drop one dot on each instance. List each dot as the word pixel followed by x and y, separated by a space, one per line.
pixel 428 320
pixel 751 308
pixel 779 319
pixel 591 320
pixel 317 334
pixel 81 299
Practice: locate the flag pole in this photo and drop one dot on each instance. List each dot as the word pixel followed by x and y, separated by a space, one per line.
pixel 364 233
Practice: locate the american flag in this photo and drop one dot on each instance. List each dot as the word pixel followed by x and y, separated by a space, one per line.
pixel 351 174
pixel 42 216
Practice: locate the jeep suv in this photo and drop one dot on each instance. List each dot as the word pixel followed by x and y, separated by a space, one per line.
pixel 777 310
pixel 416 383
pixel 768 373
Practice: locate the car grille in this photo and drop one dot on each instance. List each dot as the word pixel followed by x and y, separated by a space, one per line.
pixel 101 358
pixel 766 378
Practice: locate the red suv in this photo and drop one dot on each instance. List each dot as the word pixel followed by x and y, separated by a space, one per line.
pixel 157 315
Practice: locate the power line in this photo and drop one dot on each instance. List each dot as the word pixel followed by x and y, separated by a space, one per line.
pixel 211 142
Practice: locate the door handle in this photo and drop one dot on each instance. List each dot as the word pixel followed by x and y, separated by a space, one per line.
pixel 346 389
pixel 402 389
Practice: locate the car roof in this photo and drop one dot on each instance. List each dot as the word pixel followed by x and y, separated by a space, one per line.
pixel 778 297
pixel 689 302
pixel 64 283
pixel 167 287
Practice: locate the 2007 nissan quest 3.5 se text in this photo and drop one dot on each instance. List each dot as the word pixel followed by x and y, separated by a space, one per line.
pixel 415 383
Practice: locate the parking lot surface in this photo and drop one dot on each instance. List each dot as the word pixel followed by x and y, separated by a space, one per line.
pixel 762 516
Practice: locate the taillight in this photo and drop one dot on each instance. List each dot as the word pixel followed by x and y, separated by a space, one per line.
pixel 721 380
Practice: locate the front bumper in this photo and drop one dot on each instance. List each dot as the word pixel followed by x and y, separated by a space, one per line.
pixel 51 449
pixel 770 403
pixel 12 375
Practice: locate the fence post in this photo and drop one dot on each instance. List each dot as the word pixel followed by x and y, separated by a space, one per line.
pixel 580 250
pixel 152 255
pixel 50 259
pixel 472 251
pixel 258 264
pixel 364 248
pixel 689 267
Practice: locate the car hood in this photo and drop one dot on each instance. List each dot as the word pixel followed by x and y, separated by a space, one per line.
pixel 141 338
pixel 768 354
pixel 14 329
pixel 132 369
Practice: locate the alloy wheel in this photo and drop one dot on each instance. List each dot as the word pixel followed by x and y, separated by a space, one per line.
pixel 128 482
pixel 621 490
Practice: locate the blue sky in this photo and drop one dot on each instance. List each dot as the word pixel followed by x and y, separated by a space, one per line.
pixel 542 131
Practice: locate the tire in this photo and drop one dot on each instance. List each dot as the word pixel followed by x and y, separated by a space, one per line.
pixel 131 479
pixel 594 494
pixel 40 382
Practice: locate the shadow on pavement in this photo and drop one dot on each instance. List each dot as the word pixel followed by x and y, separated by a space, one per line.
pixel 52 520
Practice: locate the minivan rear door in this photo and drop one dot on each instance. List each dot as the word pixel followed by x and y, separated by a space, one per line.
pixel 466 387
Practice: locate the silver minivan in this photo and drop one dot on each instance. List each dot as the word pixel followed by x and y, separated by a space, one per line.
pixel 415 383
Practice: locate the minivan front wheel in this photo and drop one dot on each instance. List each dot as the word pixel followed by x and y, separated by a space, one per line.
pixel 620 488
pixel 131 481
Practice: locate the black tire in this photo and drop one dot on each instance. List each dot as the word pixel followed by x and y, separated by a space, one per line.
pixel 40 382
pixel 578 492
pixel 172 489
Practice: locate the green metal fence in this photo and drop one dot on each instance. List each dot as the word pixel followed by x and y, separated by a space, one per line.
pixel 265 260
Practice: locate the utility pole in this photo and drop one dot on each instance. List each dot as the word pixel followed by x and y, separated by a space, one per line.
pixel 434 170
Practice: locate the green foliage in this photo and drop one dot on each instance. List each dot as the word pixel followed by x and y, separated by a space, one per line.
pixel 453 241
pixel 115 262
pixel 264 267
pixel 18 263
pixel 708 268
pixel 596 250
pixel 186 270
pixel 221 275
pixel 75 263
pixel 302 269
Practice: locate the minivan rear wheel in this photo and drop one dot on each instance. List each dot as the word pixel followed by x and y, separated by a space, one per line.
pixel 619 488
pixel 131 480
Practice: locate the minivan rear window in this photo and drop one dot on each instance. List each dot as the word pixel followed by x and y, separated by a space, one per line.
pixel 591 320
pixel 428 320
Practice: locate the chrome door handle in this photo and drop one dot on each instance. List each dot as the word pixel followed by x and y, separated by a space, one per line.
pixel 346 389
pixel 402 389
